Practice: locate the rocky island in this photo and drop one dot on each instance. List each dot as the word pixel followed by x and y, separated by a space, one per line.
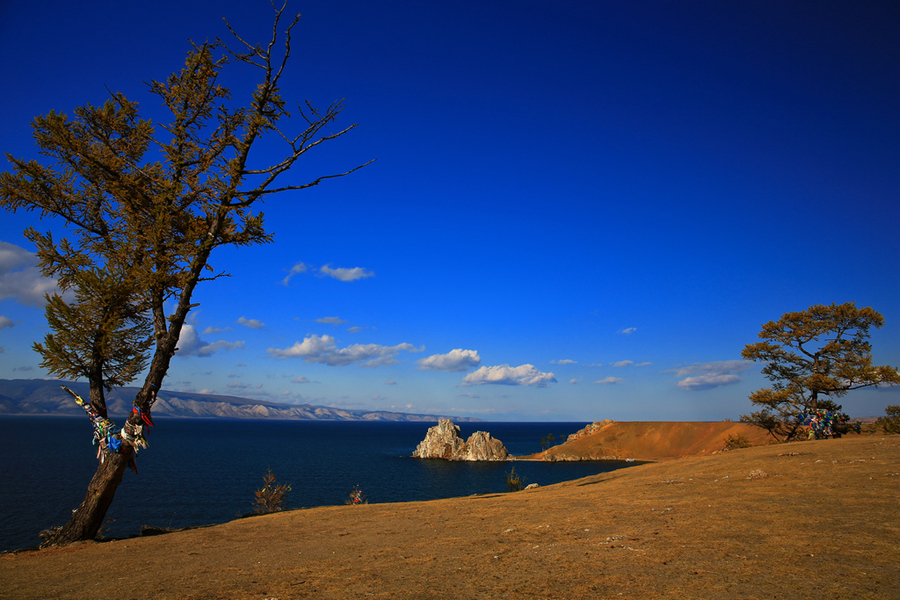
pixel 443 441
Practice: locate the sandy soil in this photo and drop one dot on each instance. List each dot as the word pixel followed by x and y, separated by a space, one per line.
pixel 804 520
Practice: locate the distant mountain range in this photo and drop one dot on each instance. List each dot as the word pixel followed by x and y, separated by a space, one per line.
pixel 45 397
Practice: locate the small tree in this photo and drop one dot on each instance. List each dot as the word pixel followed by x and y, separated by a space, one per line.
pixel 145 206
pixel 812 357
pixel 547 441
pixel 514 481
pixel 890 423
pixel 272 496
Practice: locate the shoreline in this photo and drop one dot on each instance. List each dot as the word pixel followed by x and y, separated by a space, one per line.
pixel 750 523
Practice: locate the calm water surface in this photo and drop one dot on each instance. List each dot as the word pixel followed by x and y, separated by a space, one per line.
pixel 204 471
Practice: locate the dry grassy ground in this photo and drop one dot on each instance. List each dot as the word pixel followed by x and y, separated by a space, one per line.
pixel 804 520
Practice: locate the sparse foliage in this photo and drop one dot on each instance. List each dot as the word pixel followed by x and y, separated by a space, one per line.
pixel 739 440
pixel 547 441
pixel 812 357
pixel 890 423
pixel 271 497
pixel 514 481
pixel 144 205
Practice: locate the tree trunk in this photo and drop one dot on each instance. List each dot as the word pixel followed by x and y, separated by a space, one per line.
pixel 98 398
pixel 88 517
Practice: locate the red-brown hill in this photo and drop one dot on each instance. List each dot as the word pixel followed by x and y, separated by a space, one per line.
pixel 652 440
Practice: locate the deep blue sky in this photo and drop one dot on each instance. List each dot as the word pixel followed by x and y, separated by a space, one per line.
pixel 607 198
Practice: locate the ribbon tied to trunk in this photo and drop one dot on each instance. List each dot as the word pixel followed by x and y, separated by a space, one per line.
pixel 106 438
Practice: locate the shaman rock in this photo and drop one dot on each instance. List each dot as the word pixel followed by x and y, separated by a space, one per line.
pixel 481 446
pixel 443 441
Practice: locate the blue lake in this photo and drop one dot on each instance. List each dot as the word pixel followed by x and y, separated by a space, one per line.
pixel 205 471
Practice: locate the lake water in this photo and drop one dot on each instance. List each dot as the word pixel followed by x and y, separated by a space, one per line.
pixel 205 471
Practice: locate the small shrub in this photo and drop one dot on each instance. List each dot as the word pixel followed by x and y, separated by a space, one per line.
pixel 733 442
pixel 890 423
pixel 547 441
pixel 514 481
pixel 271 498
pixel 356 497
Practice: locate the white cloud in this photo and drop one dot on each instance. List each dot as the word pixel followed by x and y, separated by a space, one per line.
pixel 721 366
pixel 609 381
pixel 455 360
pixel 339 273
pixel 212 329
pixel 212 348
pixel 20 277
pixel 331 321
pixel 565 361
pixel 322 349
pixel 342 274
pixel 6 322
pixel 251 323
pixel 628 330
pixel 623 363
pixel 298 268
pixel 300 379
pixel 506 375
pixel 14 257
pixel 707 382
pixel 188 340
pixel 574 381
pixel 384 361
pixel 311 347
pixel 190 344
pixel 709 375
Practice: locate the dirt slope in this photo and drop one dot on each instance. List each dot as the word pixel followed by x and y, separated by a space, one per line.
pixel 654 440
pixel 804 520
